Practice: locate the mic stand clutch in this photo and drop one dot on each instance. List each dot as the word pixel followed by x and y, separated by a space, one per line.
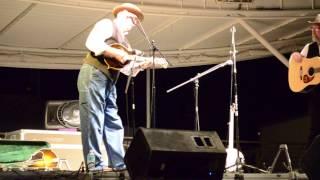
pixel 195 79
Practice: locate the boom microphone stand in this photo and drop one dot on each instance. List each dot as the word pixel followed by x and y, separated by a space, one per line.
pixel 195 79
pixel 153 48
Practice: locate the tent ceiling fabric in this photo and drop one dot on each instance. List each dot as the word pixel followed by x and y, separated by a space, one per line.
pixel 50 34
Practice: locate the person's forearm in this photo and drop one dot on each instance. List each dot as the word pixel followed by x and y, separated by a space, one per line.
pixel 115 53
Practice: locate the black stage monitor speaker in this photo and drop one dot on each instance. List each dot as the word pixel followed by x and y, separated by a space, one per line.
pixel 175 154
pixel 311 160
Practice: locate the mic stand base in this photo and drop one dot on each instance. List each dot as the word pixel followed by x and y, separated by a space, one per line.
pixel 238 176
pixel 240 165
pixel 284 148
pixel 247 166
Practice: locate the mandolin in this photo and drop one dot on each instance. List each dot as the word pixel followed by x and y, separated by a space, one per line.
pixel 138 61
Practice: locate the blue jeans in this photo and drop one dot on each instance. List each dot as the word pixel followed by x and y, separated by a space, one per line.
pixel 99 117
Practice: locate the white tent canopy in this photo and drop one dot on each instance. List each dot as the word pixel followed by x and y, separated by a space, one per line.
pixel 50 34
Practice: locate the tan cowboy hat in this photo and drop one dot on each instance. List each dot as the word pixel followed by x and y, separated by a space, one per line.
pixel 129 7
pixel 316 20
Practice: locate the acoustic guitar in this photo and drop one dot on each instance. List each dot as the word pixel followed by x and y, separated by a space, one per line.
pixel 43 159
pixel 116 64
pixel 303 74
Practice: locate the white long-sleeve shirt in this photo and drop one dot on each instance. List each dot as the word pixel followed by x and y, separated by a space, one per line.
pixel 101 31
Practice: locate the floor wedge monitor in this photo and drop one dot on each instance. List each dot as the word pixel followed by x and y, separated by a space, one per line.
pixel 175 154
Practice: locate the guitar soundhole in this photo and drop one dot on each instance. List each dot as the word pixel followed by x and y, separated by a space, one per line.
pixel 308 78
pixel 311 71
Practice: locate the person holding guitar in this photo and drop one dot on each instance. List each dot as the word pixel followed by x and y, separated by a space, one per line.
pixel 309 54
pixel 109 53
pixel 304 76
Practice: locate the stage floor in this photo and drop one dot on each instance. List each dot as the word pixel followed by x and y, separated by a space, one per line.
pixel 67 146
pixel 66 175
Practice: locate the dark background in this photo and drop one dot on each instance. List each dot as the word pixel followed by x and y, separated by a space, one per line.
pixel 265 101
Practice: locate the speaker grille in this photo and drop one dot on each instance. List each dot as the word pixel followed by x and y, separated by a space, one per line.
pixel 62 114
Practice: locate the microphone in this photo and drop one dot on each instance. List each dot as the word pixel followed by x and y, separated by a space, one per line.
pixel 137 22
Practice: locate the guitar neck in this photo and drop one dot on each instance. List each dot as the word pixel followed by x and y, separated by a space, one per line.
pixel 142 58
pixel 135 60
pixel 156 61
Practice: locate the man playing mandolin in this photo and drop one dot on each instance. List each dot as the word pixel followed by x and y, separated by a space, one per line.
pixel 110 53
